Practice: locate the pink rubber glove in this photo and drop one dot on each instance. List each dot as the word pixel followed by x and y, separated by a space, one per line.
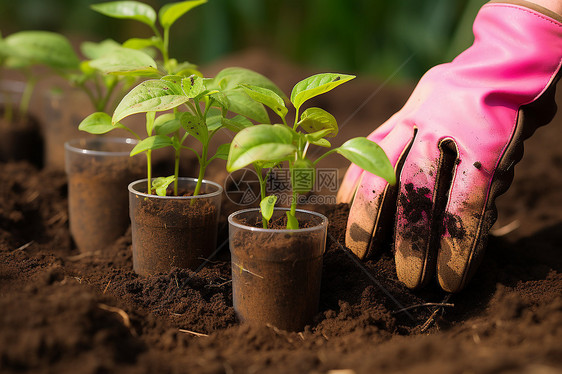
pixel 454 146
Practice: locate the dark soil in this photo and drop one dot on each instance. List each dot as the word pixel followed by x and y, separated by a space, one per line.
pixel 66 312
pixel 20 138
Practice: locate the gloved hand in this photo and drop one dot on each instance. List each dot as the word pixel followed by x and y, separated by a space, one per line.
pixel 454 145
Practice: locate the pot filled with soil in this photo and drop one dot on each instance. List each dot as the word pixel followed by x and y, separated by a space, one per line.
pixel 173 230
pixel 276 272
pixel 20 132
pixel 99 171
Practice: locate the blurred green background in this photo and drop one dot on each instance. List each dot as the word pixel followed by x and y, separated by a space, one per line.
pixel 369 37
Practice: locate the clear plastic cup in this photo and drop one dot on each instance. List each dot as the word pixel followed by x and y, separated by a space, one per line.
pixel 173 231
pixel 276 273
pixel 99 171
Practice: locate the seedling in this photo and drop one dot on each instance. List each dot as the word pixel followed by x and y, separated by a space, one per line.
pixel 92 78
pixel 24 50
pixel 267 146
pixel 206 103
pixel 156 95
pixel 159 24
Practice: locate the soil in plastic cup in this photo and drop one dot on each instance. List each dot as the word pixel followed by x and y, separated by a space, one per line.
pixel 276 273
pixel 173 231
pixel 99 171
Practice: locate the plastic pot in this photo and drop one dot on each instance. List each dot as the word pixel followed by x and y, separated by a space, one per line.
pixel 99 171
pixel 276 273
pixel 62 112
pixel 173 231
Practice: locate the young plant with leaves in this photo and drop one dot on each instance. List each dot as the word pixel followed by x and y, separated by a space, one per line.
pixel 205 103
pixel 160 24
pixel 26 49
pixel 266 145
pixel 101 88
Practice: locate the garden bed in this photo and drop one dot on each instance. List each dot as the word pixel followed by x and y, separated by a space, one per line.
pixel 65 312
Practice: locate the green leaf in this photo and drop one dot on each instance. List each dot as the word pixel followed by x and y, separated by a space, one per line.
pixel 268 98
pixel 185 69
pixel 97 123
pixel 241 103
pixel 237 123
pixel 127 10
pixel 194 126
pixel 5 50
pixel 151 143
pixel 222 151
pixel 267 206
pixel 41 47
pixel 316 85
pixel 125 60
pixel 368 156
pixel 319 142
pixel 302 176
pixel 192 86
pixel 141 43
pixel 96 50
pixel 292 223
pixel 177 142
pixel 260 143
pixel 314 120
pixel 150 117
pixel 151 95
pixel 166 124
pixel 232 77
pixel 160 184
pixel 169 13
pixel 220 100
pixel 213 118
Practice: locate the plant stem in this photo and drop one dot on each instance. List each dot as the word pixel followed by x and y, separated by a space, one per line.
pixel 176 170
pixel 202 167
pixel 149 170
pixel 93 100
pixel 26 96
pixel 324 155
pixel 262 191
pixel 165 56
pixel 102 104
pixel 294 203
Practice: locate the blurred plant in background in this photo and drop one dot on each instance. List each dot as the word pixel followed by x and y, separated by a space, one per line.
pixel 372 37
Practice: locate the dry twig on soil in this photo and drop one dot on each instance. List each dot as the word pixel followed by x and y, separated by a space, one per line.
pixel 198 334
pixel 427 324
pixel 122 314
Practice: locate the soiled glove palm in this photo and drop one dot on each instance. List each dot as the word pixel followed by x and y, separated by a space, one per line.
pixel 454 146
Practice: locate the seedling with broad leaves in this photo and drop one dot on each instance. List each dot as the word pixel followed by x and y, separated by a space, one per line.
pixel 138 62
pixel 266 146
pixel 195 107
pixel 26 49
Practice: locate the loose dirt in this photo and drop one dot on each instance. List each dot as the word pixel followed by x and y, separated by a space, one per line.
pixel 66 312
